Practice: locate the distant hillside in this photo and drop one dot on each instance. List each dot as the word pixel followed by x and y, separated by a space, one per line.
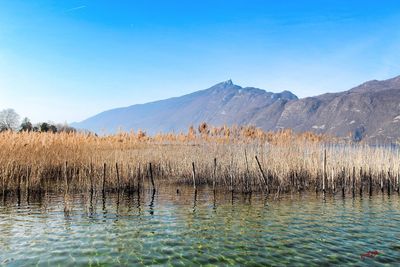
pixel 370 111
pixel 224 103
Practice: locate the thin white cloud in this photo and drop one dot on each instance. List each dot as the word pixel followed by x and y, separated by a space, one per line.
pixel 75 8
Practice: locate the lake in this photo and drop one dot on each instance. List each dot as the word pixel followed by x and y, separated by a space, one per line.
pixel 182 229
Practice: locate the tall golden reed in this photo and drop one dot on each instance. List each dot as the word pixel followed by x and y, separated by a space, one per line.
pixel 290 162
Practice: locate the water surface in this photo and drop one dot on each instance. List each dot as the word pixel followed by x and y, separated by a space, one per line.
pixel 181 229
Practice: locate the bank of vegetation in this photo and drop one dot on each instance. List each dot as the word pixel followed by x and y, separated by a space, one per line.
pixel 237 159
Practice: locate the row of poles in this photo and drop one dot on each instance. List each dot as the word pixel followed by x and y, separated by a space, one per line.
pixel 364 179
pixel 264 179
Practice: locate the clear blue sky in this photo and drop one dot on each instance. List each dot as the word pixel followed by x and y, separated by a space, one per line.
pixel 67 60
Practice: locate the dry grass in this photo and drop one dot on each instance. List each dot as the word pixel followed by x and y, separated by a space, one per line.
pixel 290 162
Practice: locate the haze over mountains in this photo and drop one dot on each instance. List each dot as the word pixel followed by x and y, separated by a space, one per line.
pixel 370 111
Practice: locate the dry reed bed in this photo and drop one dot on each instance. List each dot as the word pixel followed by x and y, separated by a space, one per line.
pixel 288 162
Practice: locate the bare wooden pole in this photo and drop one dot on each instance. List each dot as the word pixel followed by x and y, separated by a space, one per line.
pixel 117 170
pixel 19 189
pixel 104 178
pixel 59 176
pixel 72 175
pixel 248 188
pixel 91 178
pixel 151 176
pixel 361 181
pixel 231 184
pixel 370 182
pixel 262 174
pixel 214 173
pixel 27 186
pixel 194 176
pixel 28 174
pixel 78 173
pixel 130 177
pixel 324 174
pixel 4 185
pixel 138 177
pixel 66 178
pixel 343 181
pixel 353 180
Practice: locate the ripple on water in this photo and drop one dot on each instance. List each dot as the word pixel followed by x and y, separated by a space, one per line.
pixel 179 230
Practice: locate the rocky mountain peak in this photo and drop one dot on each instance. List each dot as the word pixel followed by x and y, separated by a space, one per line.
pixel 228 82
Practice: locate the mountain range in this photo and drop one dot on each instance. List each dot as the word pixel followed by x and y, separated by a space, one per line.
pixel 370 111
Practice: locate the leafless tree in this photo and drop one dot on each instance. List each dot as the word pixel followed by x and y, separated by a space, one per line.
pixel 9 120
pixel 65 128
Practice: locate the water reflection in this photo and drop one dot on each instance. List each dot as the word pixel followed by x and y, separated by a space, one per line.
pixel 182 227
pixel 194 201
pixel 151 206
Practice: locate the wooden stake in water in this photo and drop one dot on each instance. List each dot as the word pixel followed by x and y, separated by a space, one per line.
pixel 3 185
pixel 78 173
pixel 151 177
pixel 131 185
pixel 248 189
pixel 343 181
pixel 370 182
pixel 117 169
pixel 66 178
pixel 262 173
pixel 194 176
pixel 27 180
pixel 138 177
pixel 104 178
pixel 91 178
pixel 353 180
pixel 19 190
pixel 324 174
pixel 361 181
pixel 214 173
pixel 231 184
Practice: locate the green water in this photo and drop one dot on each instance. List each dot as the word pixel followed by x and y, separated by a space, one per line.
pixel 179 230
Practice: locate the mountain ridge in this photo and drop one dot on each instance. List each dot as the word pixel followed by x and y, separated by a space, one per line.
pixel 369 111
